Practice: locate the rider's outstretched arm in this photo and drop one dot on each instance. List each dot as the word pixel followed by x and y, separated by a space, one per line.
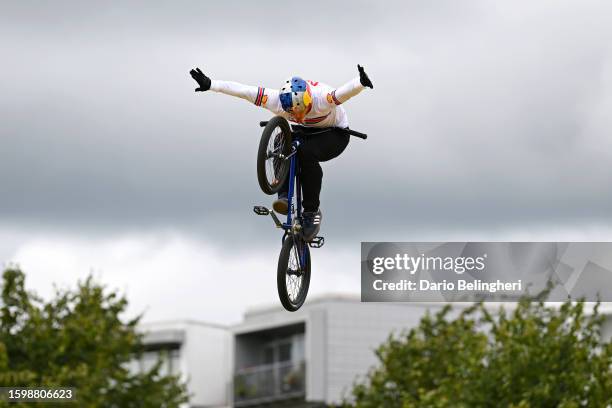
pixel 351 88
pixel 236 89
pixel 260 96
pixel 255 94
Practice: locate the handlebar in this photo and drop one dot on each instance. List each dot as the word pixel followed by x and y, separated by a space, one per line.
pixel 351 132
pixel 356 133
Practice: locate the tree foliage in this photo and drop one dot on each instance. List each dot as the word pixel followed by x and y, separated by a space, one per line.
pixel 533 355
pixel 78 339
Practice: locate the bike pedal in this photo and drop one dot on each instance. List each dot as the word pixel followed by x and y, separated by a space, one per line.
pixel 261 210
pixel 317 242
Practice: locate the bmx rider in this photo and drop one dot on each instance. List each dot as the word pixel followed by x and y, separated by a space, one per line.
pixel 310 104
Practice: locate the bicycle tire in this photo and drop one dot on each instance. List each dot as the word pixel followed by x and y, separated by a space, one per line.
pixel 284 260
pixel 273 186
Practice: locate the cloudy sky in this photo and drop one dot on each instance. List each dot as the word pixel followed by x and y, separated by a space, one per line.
pixel 488 121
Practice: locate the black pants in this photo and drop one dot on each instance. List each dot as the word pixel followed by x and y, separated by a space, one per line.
pixel 315 148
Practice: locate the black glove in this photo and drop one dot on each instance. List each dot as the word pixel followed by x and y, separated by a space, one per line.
pixel 363 77
pixel 201 79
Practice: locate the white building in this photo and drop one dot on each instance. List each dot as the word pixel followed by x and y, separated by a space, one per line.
pixel 200 353
pixel 274 358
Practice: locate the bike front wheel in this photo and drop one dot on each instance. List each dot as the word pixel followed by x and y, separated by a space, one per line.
pixel 274 146
pixel 293 274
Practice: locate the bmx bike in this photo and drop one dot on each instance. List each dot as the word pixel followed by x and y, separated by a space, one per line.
pixel 277 159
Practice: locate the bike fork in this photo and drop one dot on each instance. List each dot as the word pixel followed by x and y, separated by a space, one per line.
pixel 292 188
pixel 301 253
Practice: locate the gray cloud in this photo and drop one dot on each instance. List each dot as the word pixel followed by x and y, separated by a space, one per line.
pixel 483 115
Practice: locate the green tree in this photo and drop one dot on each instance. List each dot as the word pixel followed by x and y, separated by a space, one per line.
pixel 78 339
pixel 533 355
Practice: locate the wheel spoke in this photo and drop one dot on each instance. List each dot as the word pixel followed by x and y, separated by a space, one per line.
pixel 274 165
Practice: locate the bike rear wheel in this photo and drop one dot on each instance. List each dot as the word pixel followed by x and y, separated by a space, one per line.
pixel 272 170
pixel 293 274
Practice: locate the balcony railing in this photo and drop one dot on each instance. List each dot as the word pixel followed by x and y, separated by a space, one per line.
pixel 269 382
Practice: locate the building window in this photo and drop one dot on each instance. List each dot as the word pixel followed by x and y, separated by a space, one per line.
pixel 170 360
pixel 285 349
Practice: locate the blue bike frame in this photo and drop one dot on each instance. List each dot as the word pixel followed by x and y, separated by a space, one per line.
pixel 294 186
pixel 294 189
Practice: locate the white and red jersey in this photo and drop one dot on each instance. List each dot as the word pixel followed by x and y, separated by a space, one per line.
pixel 325 112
